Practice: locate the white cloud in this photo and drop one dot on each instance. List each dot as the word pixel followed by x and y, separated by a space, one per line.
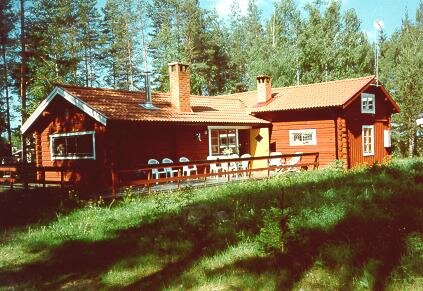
pixel 223 7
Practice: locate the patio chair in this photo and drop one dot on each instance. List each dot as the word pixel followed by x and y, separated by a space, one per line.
pixel 277 161
pixel 224 166
pixel 245 165
pixel 186 170
pixel 233 166
pixel 292 162
pixel 156 172
pixel 214 168
pixel 169 170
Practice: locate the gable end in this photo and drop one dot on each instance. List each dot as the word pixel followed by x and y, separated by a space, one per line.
pixel 71 99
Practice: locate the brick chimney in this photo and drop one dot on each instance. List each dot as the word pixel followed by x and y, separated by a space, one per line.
pixel 264 88
pixel 180 88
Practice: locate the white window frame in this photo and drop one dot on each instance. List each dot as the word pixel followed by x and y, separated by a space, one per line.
pixel 387 138
pixel 365 97
pixel 66 134
pixel 294 142
pixel 372 140
pixel 236 128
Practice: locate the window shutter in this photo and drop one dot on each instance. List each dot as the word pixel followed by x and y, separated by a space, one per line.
pixel 387 138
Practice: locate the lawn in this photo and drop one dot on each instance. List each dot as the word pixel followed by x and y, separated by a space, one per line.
pixel 317 230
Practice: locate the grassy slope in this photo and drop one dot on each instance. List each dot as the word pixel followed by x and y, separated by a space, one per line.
pixel 316 230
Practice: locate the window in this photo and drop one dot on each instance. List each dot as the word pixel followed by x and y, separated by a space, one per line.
pixel 367 103
pixel 368 140
pixel 302 137
pixel 387 138
pixel 223 141
pixel 72 145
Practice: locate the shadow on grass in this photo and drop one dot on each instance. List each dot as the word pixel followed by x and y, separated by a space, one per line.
pixel 20 208
pixel 369 238
pixel 80 261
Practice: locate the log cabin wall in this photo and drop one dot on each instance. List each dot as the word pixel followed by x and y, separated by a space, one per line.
pixel 134 144
pixel 62 117
pixel 381 121
pixel 321 120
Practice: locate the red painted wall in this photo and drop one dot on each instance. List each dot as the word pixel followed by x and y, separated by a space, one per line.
pixel 321 120
pixel 59 117
pixel 381 121
pixel 133 145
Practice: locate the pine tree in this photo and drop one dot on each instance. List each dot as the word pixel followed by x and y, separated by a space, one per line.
pixel 7 19
pixel 121 43
pixel 54 50
pixel 238 81
pixel 283 28
pixel 355 58
pixel 182 31
pixel 319 38
pixel 401 70
pixel 89 38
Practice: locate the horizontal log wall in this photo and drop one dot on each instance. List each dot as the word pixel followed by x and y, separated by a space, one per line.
pixel 59 117
pixel 325 135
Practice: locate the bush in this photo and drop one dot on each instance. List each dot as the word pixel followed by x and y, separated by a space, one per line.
pixel 270 236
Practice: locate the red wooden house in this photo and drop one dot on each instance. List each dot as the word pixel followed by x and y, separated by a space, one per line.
pixel 91 129
pixel 347 120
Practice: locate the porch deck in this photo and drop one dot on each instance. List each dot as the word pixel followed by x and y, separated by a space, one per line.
pixel 143 180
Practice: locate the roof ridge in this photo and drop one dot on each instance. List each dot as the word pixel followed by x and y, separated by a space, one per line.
pixel 66 86
pixel 327 82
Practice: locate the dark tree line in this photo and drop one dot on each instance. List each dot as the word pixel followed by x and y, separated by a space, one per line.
pixel 75 42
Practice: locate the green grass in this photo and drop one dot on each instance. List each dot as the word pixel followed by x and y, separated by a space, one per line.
pixel 317 230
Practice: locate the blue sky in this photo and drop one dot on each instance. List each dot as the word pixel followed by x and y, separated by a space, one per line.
pixel 391 12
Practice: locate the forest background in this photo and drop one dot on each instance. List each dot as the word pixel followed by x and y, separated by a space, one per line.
pixel 46 42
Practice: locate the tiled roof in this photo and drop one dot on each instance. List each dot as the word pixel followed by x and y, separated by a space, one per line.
pixel 231 108
pixel 125 105
pixel 327 94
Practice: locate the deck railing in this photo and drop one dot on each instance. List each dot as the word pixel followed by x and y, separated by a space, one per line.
pixel 11 174
pixel 143 175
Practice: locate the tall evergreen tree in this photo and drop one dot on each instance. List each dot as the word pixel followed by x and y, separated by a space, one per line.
pixel 238 80
pixel 401 70
pixel 283 63
pixel 7 19
pixel 355 58
pixel 54 50
pixel 121 44
pixel 182 31
pixel 318 41
pixel 256 43
pixel 90 40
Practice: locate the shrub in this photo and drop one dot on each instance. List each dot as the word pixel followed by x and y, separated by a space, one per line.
pixel 270 236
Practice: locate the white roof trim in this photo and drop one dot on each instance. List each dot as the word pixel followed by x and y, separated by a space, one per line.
pixel 420 121
pixel 72 99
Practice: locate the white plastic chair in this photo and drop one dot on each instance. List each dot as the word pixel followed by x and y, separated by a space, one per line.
pixel 275 161
pixel 292 162
pixel 169 170
pixel 224 166
pixel 214 168
pixel 186 170
pixel 233 166
pixel 156 172
pixel 245 165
